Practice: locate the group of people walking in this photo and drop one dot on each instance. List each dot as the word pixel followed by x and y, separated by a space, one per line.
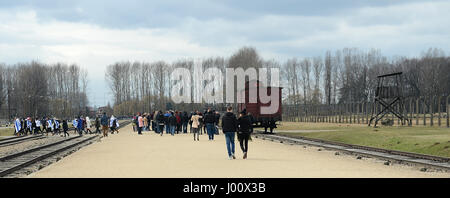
pixel 30 126
pixel 174 122
pixel 81 124
pixel 107 124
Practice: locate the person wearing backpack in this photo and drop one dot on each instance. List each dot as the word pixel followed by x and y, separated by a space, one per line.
pixel 104 123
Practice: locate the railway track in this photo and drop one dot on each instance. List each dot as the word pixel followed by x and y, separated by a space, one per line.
pixel 14 162
pixel 20 139
pixel 436 162
pixel 17 140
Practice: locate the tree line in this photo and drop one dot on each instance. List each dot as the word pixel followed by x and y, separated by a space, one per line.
pixel 38 90
pixel 350 76
pixel 343 76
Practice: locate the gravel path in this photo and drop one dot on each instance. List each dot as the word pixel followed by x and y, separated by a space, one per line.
pixel 129 155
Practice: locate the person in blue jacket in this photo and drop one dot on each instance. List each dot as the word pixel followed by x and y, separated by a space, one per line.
pixel 80 126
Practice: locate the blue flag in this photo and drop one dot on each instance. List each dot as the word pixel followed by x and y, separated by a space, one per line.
pixel 50 124
pixel 74 123
pixel 56 124
pixel 29 124
pixel 18 125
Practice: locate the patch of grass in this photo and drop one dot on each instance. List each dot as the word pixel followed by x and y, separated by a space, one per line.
pixel 316 126
pixel 425 140
pixel 6 132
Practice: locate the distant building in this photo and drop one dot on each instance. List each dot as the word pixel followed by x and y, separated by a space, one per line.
pixel 106 109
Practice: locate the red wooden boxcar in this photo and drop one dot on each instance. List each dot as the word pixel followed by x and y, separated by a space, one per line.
pixel 259 119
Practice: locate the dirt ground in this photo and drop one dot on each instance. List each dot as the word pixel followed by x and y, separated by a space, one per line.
pixel 152 156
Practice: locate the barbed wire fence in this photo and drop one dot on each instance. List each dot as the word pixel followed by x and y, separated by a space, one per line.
pixel 420 111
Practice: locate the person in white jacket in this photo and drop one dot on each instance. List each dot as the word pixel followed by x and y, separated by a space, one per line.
pixel 88 125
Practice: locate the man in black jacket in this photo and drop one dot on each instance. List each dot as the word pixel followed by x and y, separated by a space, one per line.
pixel 184 121
pixel 229 124
pixel 65 127
pixel 210 119
pixel 172 123
pixel 160 122
pixel 244 130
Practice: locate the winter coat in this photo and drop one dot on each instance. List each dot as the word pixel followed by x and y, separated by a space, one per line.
pixel 172 120
pixel 178 116
pixel 244 124
pixel 141 121
pixel 184 117
pixel 65 125
pixel 217 118
pixel 229 122
pixel 145 121
pixel 104 120
pixel 195 121
pixel 209 118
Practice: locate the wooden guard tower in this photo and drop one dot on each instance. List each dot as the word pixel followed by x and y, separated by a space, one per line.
pixel 389 95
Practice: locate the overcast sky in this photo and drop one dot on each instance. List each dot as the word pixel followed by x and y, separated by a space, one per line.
pixel 94 34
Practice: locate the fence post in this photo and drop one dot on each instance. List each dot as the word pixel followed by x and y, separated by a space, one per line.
pixel 410 112
pixel 439 110
pixel 344 107
pixel 310 112
pixel 376 108
pixel 367 108
pixel 363 112
pixel 424 112
pixel 333 119
pixel 431 110
pixel 417 111
pixel 353 113
pixel 346 113
pixel 357 112
pixel 448 113
pixel 350 110
pixel 316 111
pixel 336 114
pixel 330 113
pixel 349 113
pixel 367 112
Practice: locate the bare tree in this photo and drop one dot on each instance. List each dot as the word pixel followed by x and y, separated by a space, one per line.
pixel 328 74
pixel 317 70
pixel 305 66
